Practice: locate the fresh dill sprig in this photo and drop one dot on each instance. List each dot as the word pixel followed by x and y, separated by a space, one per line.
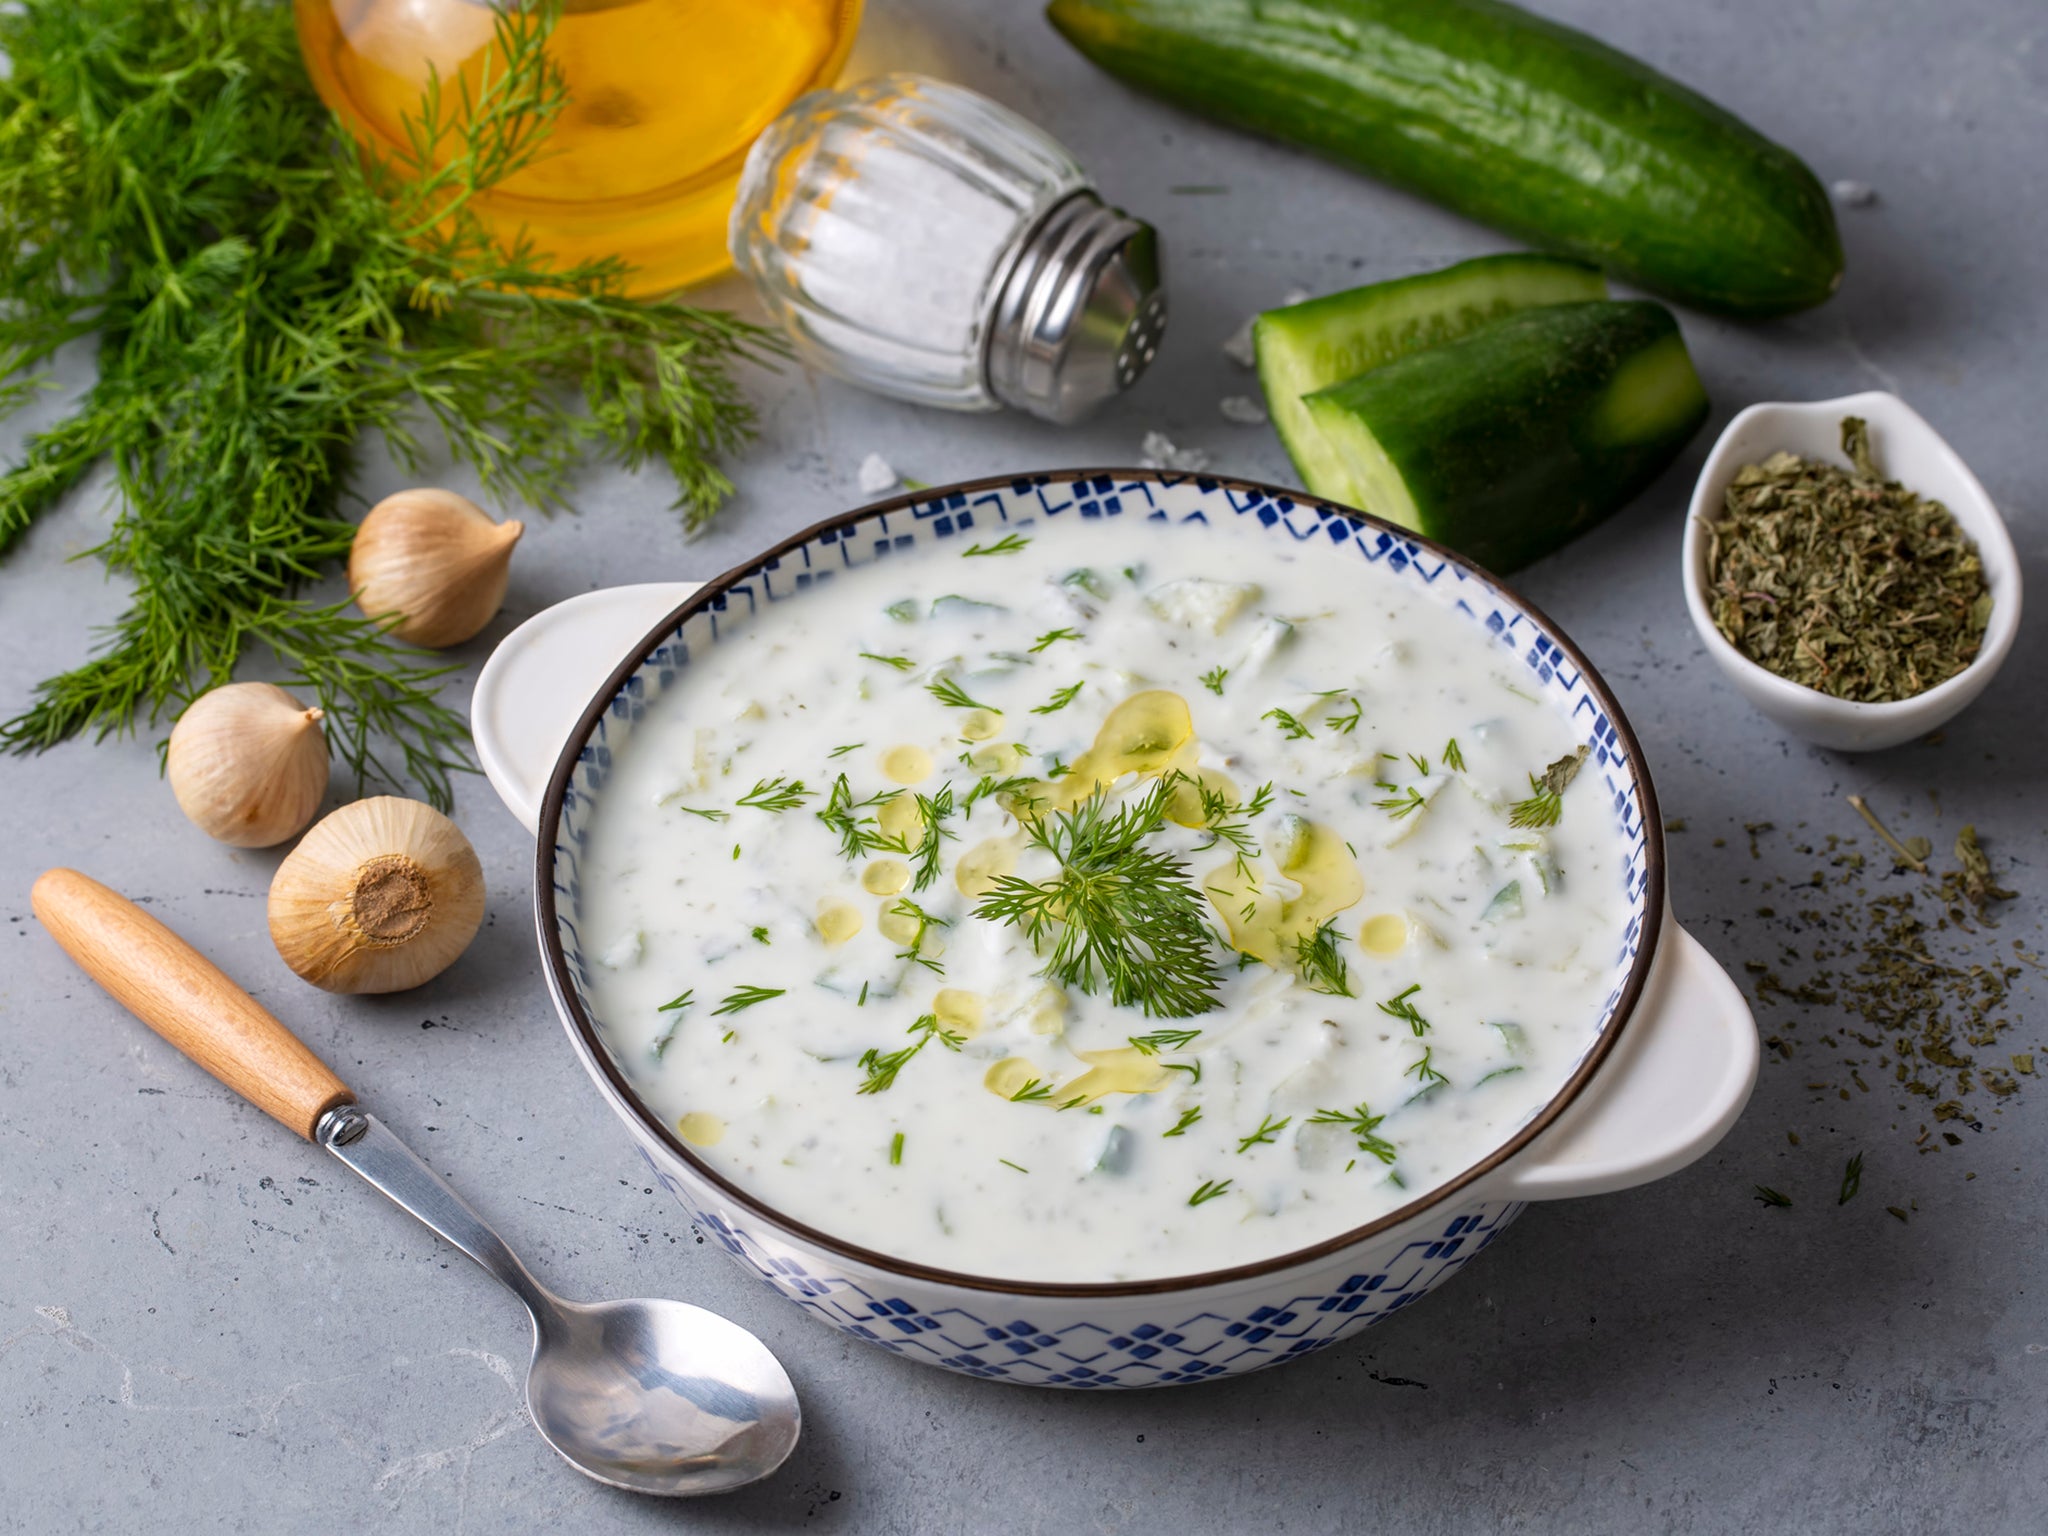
pixel 760 935
pixel 914 950
pixel 1399 1007
pixel 851 746
pixel 1008 544
pixel 1767 1196
pixel 1162 1040
pixel 1347 723
pixel 743 998
pixel 1400 799
pixel 1187 1118
pixel 950 693
pixel 264 295
pixel 675 1004
pixel 881 1068
pixel 1017 787
pixel 1362 1123
pixel 900 663
pixel 776 795
pixel 1453 758
pixel 1290 727
pixel 1268 1129
pixel 1320 965
pixel 1852 1180
pixel 1424 1071
pixel 709 813
pixel 857 834
pixel 1119 916
pixel 1213 680
pixel 1546 799
pixel 1209 1191
pixel 1053 637
pixel 1032 1092
pixel 932 811
pixel 1061 698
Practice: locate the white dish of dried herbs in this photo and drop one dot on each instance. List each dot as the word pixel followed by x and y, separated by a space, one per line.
pixel 1835 592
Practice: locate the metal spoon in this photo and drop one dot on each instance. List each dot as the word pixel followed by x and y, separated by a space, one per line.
pixel 651 1396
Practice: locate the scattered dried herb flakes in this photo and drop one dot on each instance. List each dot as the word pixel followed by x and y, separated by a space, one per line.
pixel 1843 581
pixel 1901 972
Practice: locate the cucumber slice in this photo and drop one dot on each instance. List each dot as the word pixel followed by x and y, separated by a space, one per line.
pixel 1309 346
pixel 1520 436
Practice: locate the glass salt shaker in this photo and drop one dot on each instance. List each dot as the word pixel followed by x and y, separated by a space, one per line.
pixel 922 241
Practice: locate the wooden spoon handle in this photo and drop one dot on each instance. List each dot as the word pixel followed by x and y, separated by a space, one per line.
pixel 184 997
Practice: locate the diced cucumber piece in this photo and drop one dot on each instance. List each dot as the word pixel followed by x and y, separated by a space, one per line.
pixel 1196 602
pixel 1520 436
pixel 1319 342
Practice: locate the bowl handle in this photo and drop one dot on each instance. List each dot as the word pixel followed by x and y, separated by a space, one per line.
pixel 1674 1085
pixel 542 676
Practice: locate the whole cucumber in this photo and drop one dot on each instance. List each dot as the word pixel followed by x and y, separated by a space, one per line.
pixel 1518 122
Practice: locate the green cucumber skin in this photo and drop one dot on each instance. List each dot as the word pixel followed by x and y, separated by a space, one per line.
pixel 1510 119
pixel 1318 342
pixel 1506 440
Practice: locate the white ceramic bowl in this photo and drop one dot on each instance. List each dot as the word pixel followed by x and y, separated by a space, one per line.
pixel 1664 1075
pixel 1910 452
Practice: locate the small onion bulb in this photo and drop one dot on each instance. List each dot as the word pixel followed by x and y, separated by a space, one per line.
pixel 382 895
pixel 431 566
pixel 248 763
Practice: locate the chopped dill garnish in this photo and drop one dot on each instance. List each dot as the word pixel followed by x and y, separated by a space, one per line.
pixel 1055 769
pixel 1424 1072
pixel 1032 1092
pixel 1224 821
pixel 1209 1191
pixel 1163 1040
pixel 1401 799
pixel 1268 1129
pixel 933 811
pixel 1362 1123
pixel 1399 1007
pixel 1192 1068
pixel 862 1000
pixel 1053 637
pixel 1767 1196
pixel 1453 758
pixel 689 996
pixel 1546 800
pixel 745 997
pixel 1004 1160
pixel 1061 698
pixel 1320 965
pixel 1852 1180
pixel 709 815
pixel 896 1150
pixel 913 951
pixel 1187 1118
pixel 1118 917
pixel 728 1037
pixel 882 1068
pixel 900 663
pixel 1421 764
pixel 1017 787
pixel 1291 727
pixel 1347 723
pixel 858 834
pixel 851 746
pixel 1008 544
pixel 1213 680
pixel 761 935
pixel 776 795
pixel 950 693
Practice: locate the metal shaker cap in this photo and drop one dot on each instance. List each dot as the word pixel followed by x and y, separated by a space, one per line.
pixel 1079 314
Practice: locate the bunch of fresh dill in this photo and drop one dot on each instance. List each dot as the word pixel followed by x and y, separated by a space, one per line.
pixel 261 296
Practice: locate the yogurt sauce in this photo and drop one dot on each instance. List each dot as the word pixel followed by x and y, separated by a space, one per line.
pixel 789 880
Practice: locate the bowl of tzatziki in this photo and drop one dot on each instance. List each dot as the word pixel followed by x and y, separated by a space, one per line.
pixel 1108 928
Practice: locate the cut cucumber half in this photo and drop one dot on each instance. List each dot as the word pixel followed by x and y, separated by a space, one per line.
pixel 1508 442
pixel 1309 346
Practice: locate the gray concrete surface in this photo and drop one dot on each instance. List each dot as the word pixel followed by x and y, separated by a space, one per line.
pixel 206 1326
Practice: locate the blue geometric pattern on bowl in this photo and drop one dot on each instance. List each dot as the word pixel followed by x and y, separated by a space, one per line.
pixel 1173 1343
pixel 1104 1350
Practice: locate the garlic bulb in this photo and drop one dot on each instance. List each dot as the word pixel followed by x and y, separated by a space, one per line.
pixel 248 763
pixel 380 896
pixel 432 565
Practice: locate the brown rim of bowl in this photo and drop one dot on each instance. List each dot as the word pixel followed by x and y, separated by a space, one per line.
pixel 595 1053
